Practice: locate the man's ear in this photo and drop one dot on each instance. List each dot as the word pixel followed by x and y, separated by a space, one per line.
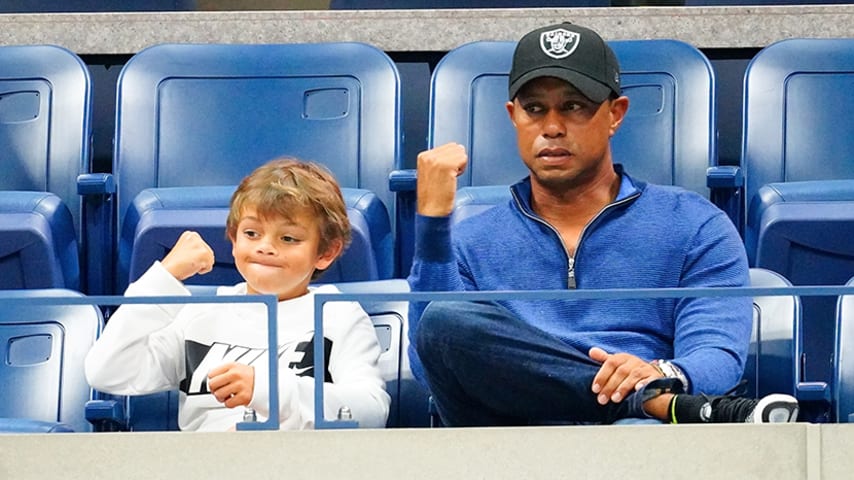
pixel 325 259
pixel 618 108
pixel 511 107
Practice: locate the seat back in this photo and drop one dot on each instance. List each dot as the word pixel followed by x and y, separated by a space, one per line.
pixel 843 384
pixel 797 122
pixel 43 347
pixel 206 115
pixel 667 137
pixel 158 216
pixel 408 401
pixel 798 160
pixel 45 136
pixel 773 358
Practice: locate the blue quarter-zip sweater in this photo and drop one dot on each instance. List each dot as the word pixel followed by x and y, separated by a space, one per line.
pixel 651 236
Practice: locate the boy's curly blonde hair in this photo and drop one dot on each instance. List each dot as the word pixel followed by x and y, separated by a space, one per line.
pixel 287 186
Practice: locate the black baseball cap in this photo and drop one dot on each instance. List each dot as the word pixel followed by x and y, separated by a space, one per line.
pixel 568 52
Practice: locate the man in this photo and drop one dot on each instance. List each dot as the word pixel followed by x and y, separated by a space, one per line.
pixel 577 221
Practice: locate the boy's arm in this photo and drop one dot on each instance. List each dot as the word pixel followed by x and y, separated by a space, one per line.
pixel 138 352
pixel 356 380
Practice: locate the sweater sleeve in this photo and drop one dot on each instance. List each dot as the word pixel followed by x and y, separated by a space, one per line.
pixel 434 269
pixel 140 351
pixel 712 334
pixel 356 380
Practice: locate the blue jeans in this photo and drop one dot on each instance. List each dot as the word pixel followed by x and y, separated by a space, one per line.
pixel 485 367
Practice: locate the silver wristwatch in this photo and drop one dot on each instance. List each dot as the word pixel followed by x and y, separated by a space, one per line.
pixel 671 370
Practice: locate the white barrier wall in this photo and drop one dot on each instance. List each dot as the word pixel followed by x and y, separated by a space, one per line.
pixel 779 452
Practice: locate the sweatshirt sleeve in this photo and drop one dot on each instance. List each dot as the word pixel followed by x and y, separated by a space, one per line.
pixel 713 333
pixel 434 269
pixel 140 351
pixel 356 380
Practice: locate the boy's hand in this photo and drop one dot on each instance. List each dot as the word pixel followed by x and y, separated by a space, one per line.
pixel 190 256
pixel 232 383
pixel 438 169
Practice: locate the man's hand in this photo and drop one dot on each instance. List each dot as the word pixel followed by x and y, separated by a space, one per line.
pixel 232 383
pixel 438 170
pixel 190 256
pixel 619 375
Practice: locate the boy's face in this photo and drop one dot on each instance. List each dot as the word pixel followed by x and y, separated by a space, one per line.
pixel 277 256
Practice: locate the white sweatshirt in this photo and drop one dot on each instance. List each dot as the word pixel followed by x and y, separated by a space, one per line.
pixel 152 348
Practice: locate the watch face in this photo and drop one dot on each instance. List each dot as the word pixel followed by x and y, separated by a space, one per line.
pixel 706 412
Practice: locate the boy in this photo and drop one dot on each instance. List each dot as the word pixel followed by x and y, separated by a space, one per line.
pixel 287 223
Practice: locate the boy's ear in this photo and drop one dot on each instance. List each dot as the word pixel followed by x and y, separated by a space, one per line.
pixel 325 259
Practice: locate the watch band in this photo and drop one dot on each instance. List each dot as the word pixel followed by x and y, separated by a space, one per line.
pixel 671 370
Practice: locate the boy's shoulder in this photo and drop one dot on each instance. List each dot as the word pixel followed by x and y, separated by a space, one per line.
pixel 324 288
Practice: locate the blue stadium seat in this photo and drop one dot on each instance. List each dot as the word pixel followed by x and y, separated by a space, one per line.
pixel 776 349
pixel 158 216
pixel 772 365
pixel 668 136
pixel 159 411
pixel 843 383
pixel 45 129
pixel 206 115
pixel 43 347
pixel 798 161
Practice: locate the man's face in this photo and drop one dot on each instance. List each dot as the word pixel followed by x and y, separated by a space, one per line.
pixel 563 136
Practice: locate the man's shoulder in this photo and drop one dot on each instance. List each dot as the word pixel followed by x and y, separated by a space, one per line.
pixel 676 195
pixel 484 222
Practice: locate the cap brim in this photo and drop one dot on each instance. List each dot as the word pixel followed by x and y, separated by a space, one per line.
pixel 588 87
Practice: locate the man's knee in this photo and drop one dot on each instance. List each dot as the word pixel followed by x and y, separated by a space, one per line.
pixel 443 322
pixel 438 319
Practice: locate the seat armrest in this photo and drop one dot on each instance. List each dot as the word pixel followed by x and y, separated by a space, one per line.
pixel 402 180
pixel 726 185
pixel 724 176
pixel 96 184
pixel 813 392
pixel 97 190
pixel 815 402
pixel 106 415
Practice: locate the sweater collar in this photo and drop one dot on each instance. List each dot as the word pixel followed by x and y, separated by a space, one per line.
pixel 628 187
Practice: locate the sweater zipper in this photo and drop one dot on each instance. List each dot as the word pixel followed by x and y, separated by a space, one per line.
pixel 571 282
